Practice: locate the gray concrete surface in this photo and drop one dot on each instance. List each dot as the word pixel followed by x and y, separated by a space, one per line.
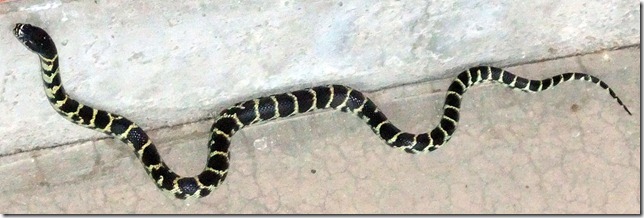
pixel 567 150
pixel 166 63
pixel 170 66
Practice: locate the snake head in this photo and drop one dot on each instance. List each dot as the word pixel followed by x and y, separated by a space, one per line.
pixel 36 39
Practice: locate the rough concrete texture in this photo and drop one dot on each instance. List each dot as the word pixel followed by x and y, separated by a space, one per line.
pixel 567 150
pixel 169 63
pixel 164 64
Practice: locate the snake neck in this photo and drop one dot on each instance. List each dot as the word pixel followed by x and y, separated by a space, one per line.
pixel 125 130
pixel 51 79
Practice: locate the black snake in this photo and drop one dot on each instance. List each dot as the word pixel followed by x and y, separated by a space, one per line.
pixel 267 108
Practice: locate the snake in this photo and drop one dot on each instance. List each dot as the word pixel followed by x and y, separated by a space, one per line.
pixel 267 108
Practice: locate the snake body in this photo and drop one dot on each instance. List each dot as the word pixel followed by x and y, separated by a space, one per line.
pixel 268 108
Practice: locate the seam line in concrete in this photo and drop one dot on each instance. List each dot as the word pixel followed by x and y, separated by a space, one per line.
pixel 511 65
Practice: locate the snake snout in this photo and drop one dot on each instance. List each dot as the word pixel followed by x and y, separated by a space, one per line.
pixel 21 31
pixel 17 30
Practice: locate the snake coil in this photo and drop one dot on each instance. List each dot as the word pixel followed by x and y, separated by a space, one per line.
pixel 268 108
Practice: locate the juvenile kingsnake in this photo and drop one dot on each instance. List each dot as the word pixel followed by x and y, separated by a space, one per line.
pixel 267 108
